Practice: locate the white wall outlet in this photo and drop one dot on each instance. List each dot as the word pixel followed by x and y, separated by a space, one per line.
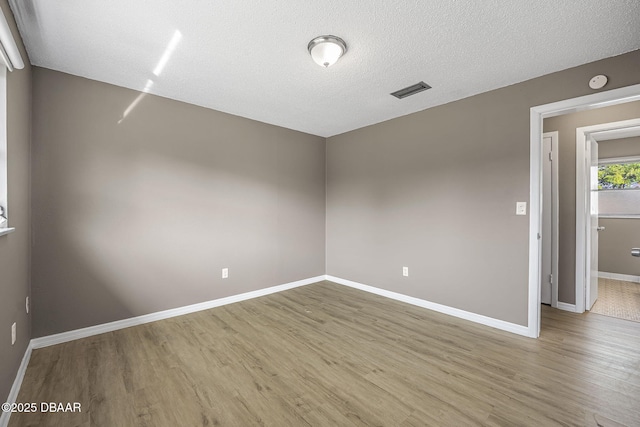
pixel 26 304
pixel 13 333
pixel 225 273
pixel 521 208
pixel 405 271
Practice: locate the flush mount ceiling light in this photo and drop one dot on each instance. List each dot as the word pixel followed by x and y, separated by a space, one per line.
pixel 326 50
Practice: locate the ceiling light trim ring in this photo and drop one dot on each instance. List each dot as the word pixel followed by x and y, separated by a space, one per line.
pixel 327 39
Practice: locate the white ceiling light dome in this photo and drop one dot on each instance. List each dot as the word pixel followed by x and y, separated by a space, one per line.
pixel 326 50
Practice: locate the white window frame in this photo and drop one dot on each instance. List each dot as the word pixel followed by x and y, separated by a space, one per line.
pixel 614 161
pixel 4 160
pixel 10 59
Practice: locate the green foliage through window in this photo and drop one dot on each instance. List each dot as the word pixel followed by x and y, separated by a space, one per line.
pixel 618 176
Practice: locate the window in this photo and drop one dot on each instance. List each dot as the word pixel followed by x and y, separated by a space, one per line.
pixel 3 147
pixel 9 60
pixel 619 187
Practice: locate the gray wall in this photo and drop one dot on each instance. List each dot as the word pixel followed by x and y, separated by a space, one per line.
pixel 14 248
pixel 620 147
pixel 566 126
pixel 615 243
pixel 620 234
pixel 436 191
pixel 140 215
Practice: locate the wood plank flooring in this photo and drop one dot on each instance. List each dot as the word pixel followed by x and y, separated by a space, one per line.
pixel 328 355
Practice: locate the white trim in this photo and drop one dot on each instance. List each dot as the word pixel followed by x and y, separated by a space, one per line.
pixel 17 383
pixel 134 321
pixel 614 160
pixel 555 244
pixel 626 132
pixel 566 307
pixel 537 114
pixel 160 315
pixel 4 58
pixel 582 220
pixel 4 145
pixel 583 216
pixel 166 314
pixel 8 230
pixel 590 102
pixel 466 315
pixel 13 58
pixel 555 217
pixel 535 222
pixel 618 276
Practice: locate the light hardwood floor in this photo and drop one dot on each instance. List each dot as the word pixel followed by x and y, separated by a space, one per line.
pixel 328 355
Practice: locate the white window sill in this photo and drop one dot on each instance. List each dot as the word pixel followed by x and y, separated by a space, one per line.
pixel 8 230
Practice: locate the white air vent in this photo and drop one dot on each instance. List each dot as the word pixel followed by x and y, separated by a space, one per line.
pixel 411 90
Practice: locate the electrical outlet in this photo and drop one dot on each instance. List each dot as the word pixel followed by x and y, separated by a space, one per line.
pixel 26 305
pixel 225 273
pixel 405 271
pixel 13 333
pixel 521 208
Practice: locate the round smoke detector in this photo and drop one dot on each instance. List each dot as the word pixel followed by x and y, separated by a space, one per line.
pixel 598 82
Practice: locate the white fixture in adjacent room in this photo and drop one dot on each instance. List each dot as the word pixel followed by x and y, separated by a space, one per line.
pixel 521 208
pixel 225 273
pixel 405 271
pixel 326 50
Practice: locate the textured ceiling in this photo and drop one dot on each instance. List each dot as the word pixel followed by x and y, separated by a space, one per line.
pixel 250 58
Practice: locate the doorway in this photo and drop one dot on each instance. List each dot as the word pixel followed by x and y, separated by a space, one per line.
pixel 614 182
pixel 612 97
pixel 587 218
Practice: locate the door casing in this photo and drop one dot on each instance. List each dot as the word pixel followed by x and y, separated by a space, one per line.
pixel 536 116
pixel 584 134
pixel 552 188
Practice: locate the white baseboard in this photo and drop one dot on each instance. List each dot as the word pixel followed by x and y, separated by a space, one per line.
pixel 566 307
pixel 616 276
pixel 17 383
pixel 147 318
pixel 152 317
pixel 466 315
pixel 134 321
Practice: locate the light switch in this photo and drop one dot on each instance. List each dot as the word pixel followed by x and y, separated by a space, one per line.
pixel 521 208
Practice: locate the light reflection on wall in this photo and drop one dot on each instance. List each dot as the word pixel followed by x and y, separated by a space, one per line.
pixel 136 101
